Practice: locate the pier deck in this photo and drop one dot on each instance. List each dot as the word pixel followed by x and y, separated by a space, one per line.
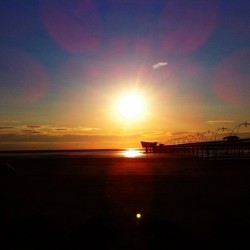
pixel 235 149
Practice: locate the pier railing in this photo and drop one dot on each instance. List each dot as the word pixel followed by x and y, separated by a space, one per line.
pixel 239 149
pixel 198 146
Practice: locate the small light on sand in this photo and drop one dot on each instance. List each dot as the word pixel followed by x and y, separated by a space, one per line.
pixel 138 216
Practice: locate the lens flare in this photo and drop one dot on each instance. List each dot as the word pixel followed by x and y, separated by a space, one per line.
pixel 131 106
pixel 23 79
pixel 231 79
pixel 74 25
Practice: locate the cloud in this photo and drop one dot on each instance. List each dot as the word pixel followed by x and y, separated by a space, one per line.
pixel 159 64
pixel 73 130
pixel 220 121
pixel 26 130
pixel 182 133
pixel 91 129
pixel 13 121
pixel 70 141
pixel 26 137
pixel 6 127
pixel 155 132
pixel 29 131
pixel 50 130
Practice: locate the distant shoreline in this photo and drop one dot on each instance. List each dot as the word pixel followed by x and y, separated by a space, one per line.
pixel 57 150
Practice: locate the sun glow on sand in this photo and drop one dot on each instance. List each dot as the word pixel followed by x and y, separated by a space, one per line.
pixel 131 106
pixel 132 153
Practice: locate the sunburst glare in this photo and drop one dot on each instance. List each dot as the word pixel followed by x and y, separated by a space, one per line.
pixel 130 106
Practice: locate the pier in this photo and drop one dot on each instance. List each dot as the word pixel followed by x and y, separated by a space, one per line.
pixel 197 146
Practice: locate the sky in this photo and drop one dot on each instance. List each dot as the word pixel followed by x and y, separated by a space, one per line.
pixel 65 65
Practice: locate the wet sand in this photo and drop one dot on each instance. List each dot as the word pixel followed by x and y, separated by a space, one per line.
pixel 69 202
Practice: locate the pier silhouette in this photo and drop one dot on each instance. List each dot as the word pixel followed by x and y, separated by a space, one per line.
pixel 199 146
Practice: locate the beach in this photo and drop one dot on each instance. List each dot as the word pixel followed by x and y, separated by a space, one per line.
pixel 71 201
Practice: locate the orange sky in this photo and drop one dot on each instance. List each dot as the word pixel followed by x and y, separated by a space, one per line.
pixel 65 65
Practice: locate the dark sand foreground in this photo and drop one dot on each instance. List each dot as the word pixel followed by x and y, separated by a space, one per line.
pixel 91 203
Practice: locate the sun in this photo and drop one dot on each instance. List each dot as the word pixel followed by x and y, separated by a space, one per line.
pixel 131 106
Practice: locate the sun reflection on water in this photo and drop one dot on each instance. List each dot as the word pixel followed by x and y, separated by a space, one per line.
pixel 131 153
